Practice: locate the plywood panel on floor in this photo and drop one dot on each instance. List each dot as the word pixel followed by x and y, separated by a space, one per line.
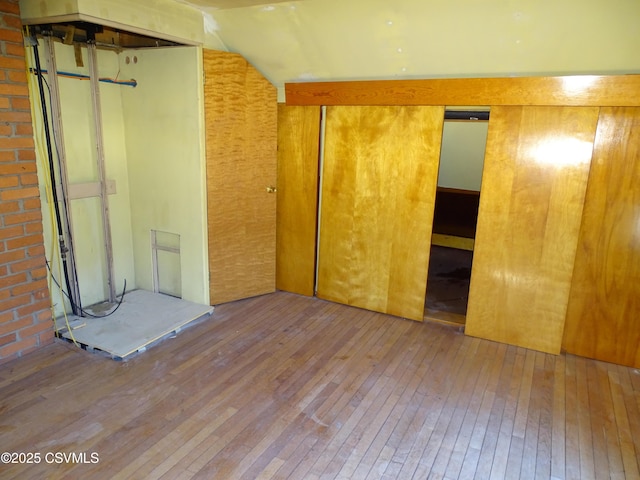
pixel 604 307
pixel 533 187
pixel 378 194
pixel 297 211
pixel 141 319
pixel 241 142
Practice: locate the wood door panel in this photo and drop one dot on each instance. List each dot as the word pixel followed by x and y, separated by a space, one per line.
pixel 241 138
pixel 534 180
pixel 298 160
pixel 379 182
pixel 604 307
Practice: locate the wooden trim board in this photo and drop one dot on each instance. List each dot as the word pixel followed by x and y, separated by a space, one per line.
pixel 578 90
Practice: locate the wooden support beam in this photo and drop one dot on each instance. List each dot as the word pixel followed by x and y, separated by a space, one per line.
pixel 76 191
pixel 102 175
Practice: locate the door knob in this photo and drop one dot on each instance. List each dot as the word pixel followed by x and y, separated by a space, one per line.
pixel 272 189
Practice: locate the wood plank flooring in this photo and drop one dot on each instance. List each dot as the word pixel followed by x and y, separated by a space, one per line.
pixel 289 387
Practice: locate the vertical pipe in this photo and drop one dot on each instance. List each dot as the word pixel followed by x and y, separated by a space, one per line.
pixel 102 177
pixel 58 141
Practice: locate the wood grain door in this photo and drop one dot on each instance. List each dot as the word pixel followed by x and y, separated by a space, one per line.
pixel 604 306
pixel 298 160
pixel 533 187
pixel 378 192
pixel 241 137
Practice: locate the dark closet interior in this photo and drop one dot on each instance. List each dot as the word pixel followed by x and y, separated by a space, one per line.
pixel 454 227
pixel 455 217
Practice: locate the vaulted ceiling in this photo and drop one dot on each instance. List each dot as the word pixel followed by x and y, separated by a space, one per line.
pixel 382 39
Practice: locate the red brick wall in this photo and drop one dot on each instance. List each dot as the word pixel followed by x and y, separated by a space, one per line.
pixel 25 316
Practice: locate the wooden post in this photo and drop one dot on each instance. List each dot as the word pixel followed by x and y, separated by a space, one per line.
pixel 56 118
pixel 102 177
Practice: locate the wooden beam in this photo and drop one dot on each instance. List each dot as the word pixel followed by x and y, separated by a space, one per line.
pixel 87 189
pixel 92 55
pixel 580 90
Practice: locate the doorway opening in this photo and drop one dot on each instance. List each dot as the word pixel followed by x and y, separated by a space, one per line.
pixel 456 213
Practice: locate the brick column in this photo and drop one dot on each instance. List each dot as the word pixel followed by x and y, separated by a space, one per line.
pixel 25 315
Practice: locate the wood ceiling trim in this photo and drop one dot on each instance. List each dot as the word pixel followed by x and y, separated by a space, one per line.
pixel 579 90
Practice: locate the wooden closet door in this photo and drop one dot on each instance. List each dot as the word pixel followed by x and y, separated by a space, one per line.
pixel 604 307
pixel 297 212
pixel 533 187
pixel 378 192
pixel 241 141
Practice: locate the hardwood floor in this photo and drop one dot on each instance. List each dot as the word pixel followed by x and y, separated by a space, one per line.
pixel 289 387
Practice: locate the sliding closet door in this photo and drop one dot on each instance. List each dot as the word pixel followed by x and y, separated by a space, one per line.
pixel 378 192
pixel 533 187
pixel 297 209
pixel 602 319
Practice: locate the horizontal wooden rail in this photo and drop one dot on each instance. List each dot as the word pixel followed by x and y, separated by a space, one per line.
pixel 579 90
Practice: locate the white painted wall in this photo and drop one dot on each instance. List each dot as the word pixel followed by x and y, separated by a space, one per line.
pixel 163 120
pixel 462 154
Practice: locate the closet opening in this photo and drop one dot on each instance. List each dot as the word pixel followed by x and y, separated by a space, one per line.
pixel 108 145
pixel 456 213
